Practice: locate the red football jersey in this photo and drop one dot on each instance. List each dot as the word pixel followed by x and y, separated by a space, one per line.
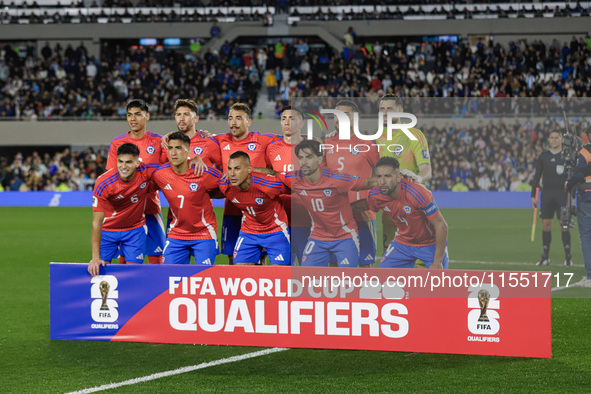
pixel 327 202
pixel 279 156
pixel 412 212
pixel 150 152
pixel 208 149
pixel 191 210
pixel 262 211
pixel 354 157
pixel 255 145
pixel 122 202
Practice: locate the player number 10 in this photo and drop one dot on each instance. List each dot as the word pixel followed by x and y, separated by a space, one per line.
pixel 317 205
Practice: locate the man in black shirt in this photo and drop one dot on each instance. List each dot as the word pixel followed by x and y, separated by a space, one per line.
pixel 550 167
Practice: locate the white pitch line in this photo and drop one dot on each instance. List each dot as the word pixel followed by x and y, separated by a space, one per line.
pixel 180 370
pixel 500 262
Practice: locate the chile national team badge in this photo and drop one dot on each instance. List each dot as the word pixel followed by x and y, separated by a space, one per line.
pixel 150 149
pixel 407 209
pixel 252 146
pixel 193 186
pixel 327 192
pixel 198 150
pixel 259 200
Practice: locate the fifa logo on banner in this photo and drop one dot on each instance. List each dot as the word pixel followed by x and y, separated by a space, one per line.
pixel 483 319
pixel 104 292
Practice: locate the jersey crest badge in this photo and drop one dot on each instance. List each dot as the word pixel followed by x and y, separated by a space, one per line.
pixel 327 192
pixel 559 169
pixel 252 146
pixel 193 186
pixel 259 200
pixel 150 149
pixel 407 209
pixel 198 150
pixel 143 185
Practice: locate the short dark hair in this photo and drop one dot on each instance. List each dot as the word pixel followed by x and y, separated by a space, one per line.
pixel 348 103
pixel 180 136
pixel 192 105
pixel 312 145
pixel 388 161
pixel 128 149
pixel 392 97
pixel 293 109
pixel 137 103
pixel 242 107
pixel 238 154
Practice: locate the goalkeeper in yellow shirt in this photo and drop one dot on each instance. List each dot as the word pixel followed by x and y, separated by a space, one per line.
pixel 412 155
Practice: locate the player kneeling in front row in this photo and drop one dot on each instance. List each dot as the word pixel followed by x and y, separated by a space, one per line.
pixel 422 230
pixel 118 221
pixel 325 195
pixel 193 229
pixel 264 220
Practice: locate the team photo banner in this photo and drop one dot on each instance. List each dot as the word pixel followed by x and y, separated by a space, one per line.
pixel 410 310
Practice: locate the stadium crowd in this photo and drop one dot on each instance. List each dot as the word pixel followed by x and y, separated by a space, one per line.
pixel 52 82
pixel 62 171
pixel 48 82
pixel 70 83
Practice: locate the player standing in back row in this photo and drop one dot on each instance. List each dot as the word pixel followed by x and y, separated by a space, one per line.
pixel 238 139
pixel 345 156
pixel 150 147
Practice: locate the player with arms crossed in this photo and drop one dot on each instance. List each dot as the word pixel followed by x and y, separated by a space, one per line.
pixel 193 229
pixel 413 155
pixel 325 196
pixel 346 157
pixel 422 230
pixel 151 151
pixel 238 139
pixel 550 167
pixel 264 223
pixel 118 221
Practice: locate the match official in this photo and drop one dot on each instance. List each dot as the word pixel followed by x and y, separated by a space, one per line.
pixel 550 167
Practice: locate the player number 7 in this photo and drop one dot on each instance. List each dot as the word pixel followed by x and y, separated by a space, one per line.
pixel 182 200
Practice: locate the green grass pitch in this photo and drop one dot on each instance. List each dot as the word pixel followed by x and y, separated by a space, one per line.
pixel 478 239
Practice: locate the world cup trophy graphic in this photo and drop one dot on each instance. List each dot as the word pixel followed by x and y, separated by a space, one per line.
pixel 104 288
pixel 483 298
